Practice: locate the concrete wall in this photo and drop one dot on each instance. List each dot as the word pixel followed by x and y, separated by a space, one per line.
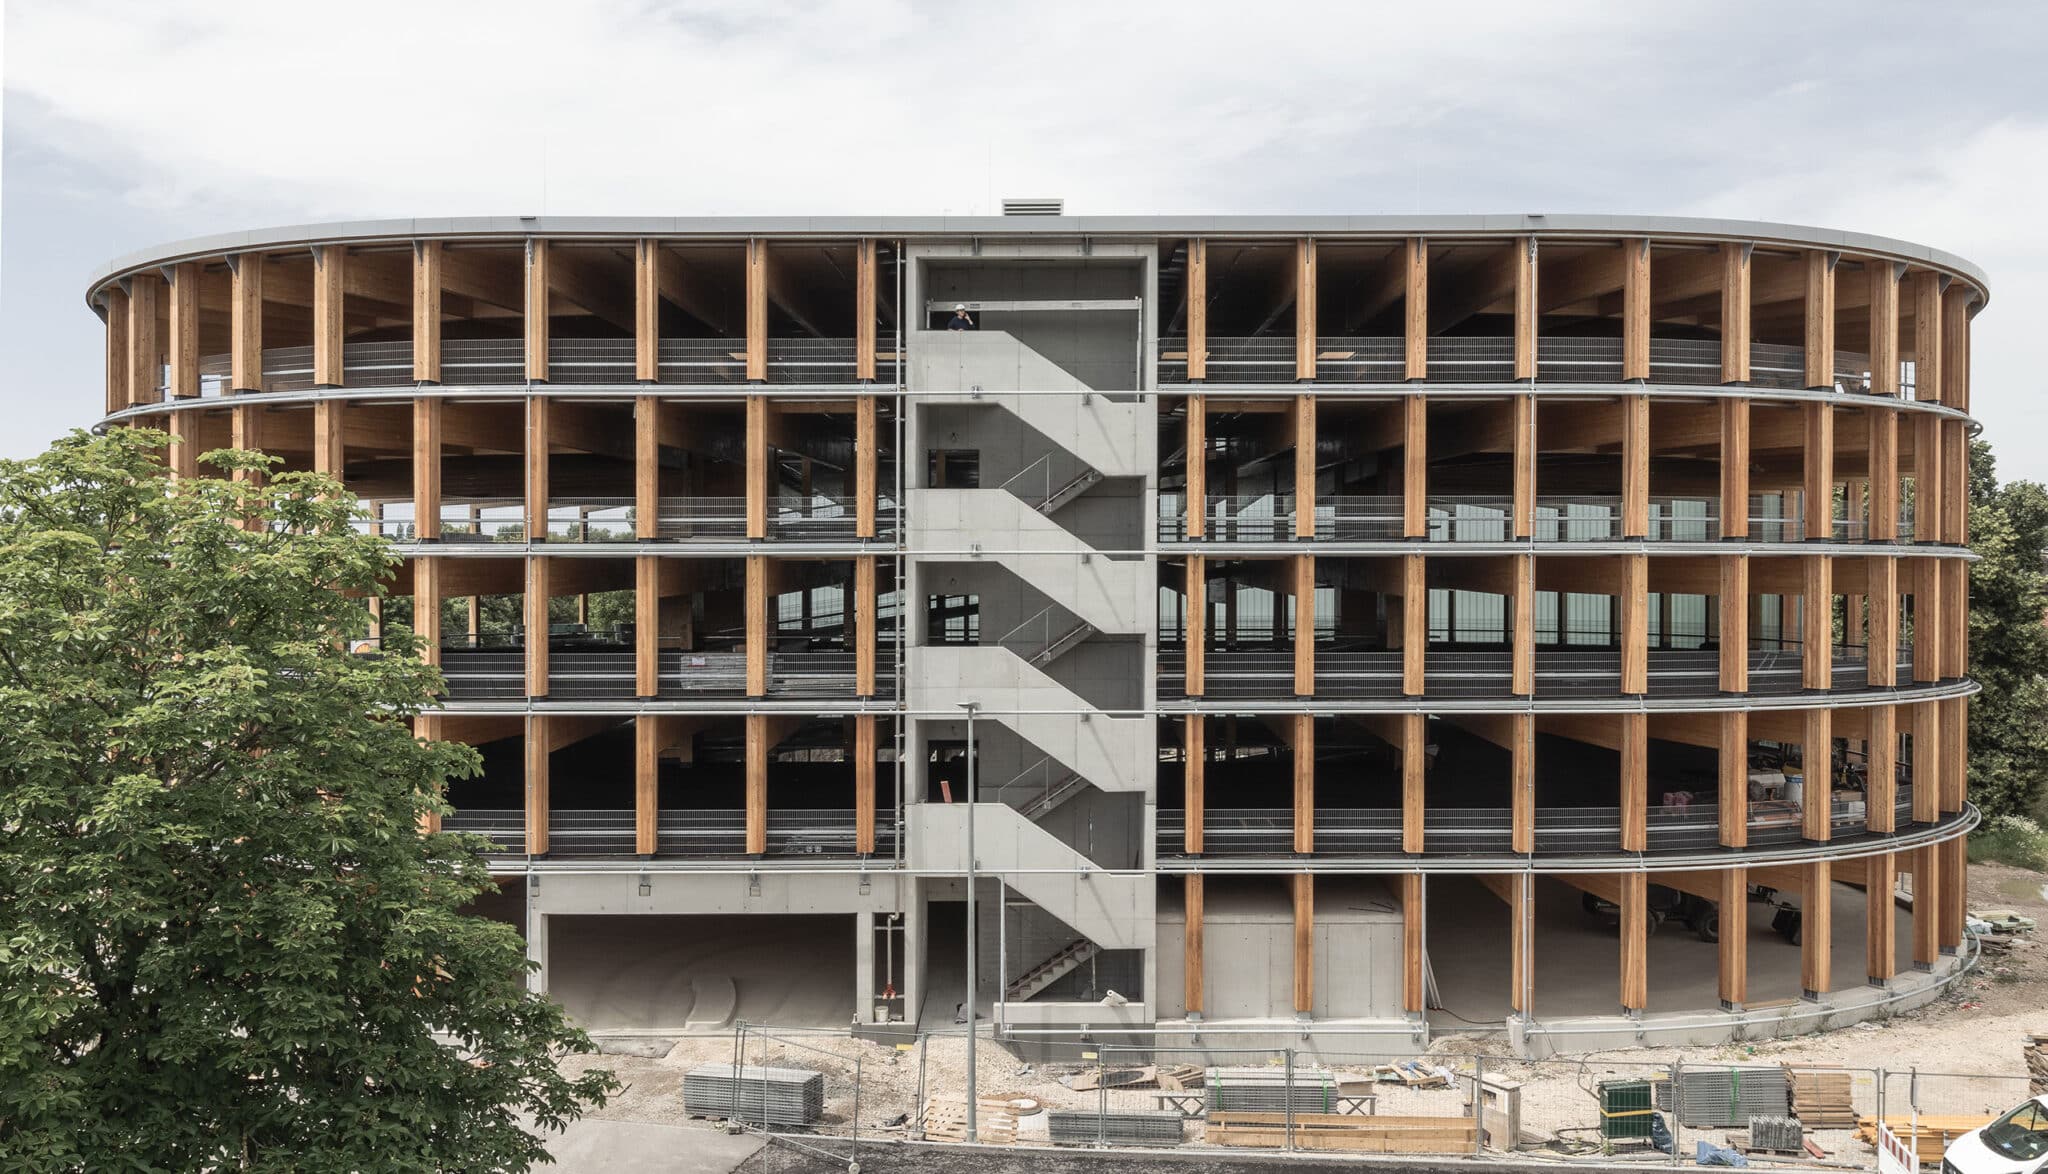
pixel 1248 954
pixel 1098 347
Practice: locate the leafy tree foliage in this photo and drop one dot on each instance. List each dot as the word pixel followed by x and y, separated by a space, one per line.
pixel 2008 643
pixel 224 943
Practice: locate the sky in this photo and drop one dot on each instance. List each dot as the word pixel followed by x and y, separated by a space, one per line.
pixel 123 125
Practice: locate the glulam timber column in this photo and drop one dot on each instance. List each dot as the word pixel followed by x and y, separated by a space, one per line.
pixel 537 748
pixel 1305 309
pixel 538 286
pixel 1817 928
pixel 114 303
pixel 145 337
pixel 426 311
pixel 1415 333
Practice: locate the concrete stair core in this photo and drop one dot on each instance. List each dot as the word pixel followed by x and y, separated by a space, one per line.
pixel 1113 910
pixel 1112 753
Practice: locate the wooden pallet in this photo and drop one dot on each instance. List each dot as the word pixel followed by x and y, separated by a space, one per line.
pixel 1412 1073
pixel 1332 1131
pixel 1936 1132
pixel 945 1119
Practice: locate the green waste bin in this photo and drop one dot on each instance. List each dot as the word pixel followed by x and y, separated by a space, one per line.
pixel 1625 1108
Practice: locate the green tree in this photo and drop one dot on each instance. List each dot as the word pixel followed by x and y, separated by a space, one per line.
pixel 2008 644
pixel 224 943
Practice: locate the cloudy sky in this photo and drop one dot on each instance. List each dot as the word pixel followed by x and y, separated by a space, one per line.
pixel 127 124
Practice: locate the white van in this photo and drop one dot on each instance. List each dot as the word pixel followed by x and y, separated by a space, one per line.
pixel 2016 1143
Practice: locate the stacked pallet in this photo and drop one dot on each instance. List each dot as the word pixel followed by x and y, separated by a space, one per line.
pixel 1269 1090
pixel 760 1096
pixel 1781 1135
pixel 1145 1127
pixel 1935 1132
pixel 945 1119
pixel 1331 1131
pixel 1725 1098
pixel 2036 1052
pixel 1822 1097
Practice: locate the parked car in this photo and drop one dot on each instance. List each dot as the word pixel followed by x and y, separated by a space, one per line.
pixel 2015 1143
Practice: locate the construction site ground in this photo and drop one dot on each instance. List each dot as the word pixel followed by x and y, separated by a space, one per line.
pixel 1979 1027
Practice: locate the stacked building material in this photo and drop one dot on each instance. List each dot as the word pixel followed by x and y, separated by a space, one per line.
pixel 760 1096
pixel 2036 1053
pixel 1725 1098
pixel 1081 1127
pixel 1325 1131
pixel 1933 1135
pixel 995 1118
pixel 1821 1098
pixel 1269 1090
pixel 1778 1134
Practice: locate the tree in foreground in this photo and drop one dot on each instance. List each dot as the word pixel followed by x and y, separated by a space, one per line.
pixel 2008 644
pixel 224 943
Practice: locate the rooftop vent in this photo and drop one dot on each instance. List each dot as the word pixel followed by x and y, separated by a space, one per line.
pixel 1053 206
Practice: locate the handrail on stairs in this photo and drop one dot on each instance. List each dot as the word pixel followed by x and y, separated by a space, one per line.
pixel 1028 646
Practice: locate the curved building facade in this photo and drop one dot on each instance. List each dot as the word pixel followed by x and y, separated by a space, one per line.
pixel 1329 626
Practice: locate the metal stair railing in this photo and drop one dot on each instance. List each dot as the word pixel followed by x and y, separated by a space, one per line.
pixel 1038 642
pixel 1040 787
pixel 1050 496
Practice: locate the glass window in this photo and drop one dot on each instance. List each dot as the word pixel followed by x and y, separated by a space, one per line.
pixel 2021 1135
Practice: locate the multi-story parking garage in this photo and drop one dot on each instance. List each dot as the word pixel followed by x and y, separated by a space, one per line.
pixel 1552 622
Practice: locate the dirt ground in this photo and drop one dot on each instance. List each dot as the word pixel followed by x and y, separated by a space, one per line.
pixel 1978 1027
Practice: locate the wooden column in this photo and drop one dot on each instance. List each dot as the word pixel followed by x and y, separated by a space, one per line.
pixel 1635 940
pixel 646 784
pixel 1955 347
pixel 864 625
pixel 865 758
pixel 1955 750
pixel 1197 464
pixel 757 625
pixel 1884 325
pixel 1817 746
pixel 1925 719
pixel 1734 937
pixel 183 345
pixel 1733 790
pixel 1303 572
pixel 1635 466
pixel 1304 943
pixel 426 311
pixel 647 626
pixel 1820 320
pixel 330 324
pixel 245 322
pixel 1197 589
pixel 1521 942
pixel 1635 782
pixel 1198 311
pixel 1412 990
pixel 1954 636
pixel 145 337
pixel 1524 501
pixel 757 749
pixel 1415 466
pixel 1818 472
pixel 1953 893
pixel 1414 624
pixel 1635 624
pixel 1927 887
pixel 1930 487
pixel 1884 472
pixel 1734 468
pixel 757 310
pixel 1816 931
pixel 866 462
pixel 1414 796
pixel 1302 740
pixel 184 454
pixel 1522 665
pixel 647 310
pixel 426 468
pixel 1816 628
pixel 537 784
pixel 1735 311
pixel 1927 328
pixel 1525 309
pixel 1522 782
pixel 866 296
pixel 758 467
pixel 1304 466
pixel 1734 617
pixel 245 433
pixel 1416 332
pixel 1194 781
pixel 1881 780
pixel 115 299
pixel 646 468
pixel 536 619
pixel 537 443
pixel 426 607
pixel 1880 927
pixel 1635 309
pixel 539 284
pixel 1305 308
pixel 1881 654
pixel 1191 944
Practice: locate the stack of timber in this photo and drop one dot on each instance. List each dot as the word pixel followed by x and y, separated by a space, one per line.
pixel 1144 1127
pixel 1270 1090
pixel 945 1119
pixel 2036 1052
pixel 761 1096
pixel 1821 1097
pixel 1726 1097
pixel 1935 1132
pixel 1332 1131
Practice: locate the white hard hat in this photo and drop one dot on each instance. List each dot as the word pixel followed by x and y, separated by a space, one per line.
pixel 960 307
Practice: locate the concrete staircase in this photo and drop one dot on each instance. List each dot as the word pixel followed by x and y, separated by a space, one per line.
pixel 1112 594
pixel 1113 753
pixel 1069 959
pixel 1112 910
pixel 994 368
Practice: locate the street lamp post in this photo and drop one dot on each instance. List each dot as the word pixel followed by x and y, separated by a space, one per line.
pixel 973 977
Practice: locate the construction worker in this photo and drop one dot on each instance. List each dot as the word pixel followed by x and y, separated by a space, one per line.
pixel 960 320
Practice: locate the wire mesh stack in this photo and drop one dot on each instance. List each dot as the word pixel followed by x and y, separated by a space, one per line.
pixel 1777 1133
pixel 1081 1127
pixel 1267 1090
pixel 761 1096
pixel 1725 1097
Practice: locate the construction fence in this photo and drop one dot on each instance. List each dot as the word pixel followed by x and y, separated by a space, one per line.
pixel 878 1092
